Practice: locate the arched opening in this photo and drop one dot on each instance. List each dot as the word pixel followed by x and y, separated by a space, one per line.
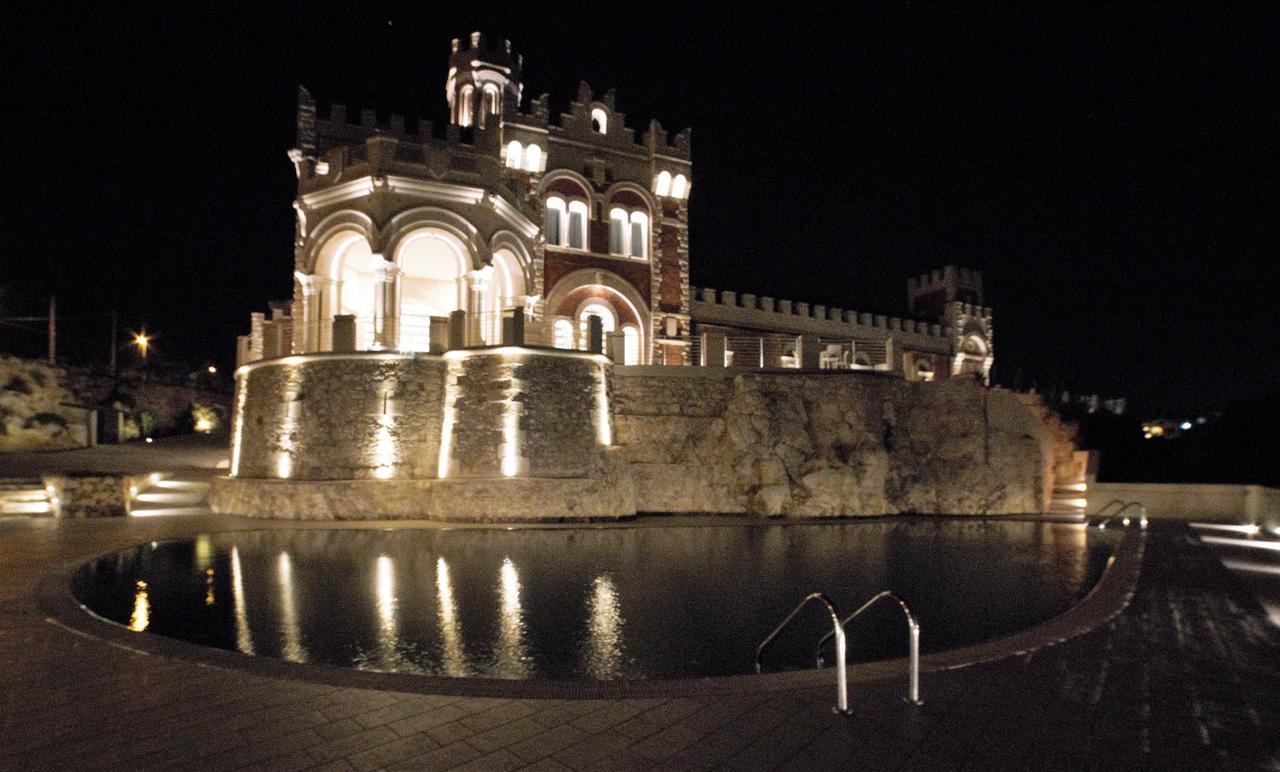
pixel 599 121
pixel 533 158
pixel 663 186
pixel 433 265
pixel 505 290
pixel 514 154
pixel 465 105
pixel 586 293
pixel 631 344
pixel 679 186
pixel 346 263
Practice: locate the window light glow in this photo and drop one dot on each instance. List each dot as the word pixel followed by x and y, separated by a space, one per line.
pixel 663 185
pixel 533 158
pixel 599 121
pixel 515 155
pixel 679 186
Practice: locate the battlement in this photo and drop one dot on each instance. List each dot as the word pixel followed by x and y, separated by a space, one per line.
pixel 927 294
pixel 786 313
pixel 477 44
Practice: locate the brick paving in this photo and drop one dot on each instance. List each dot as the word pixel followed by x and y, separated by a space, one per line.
pixel 1186 676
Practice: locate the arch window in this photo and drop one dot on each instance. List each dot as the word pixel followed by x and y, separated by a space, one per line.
pixel 679 186
pixel 515 154
pixel 578 224
pixel 628 233
pixel 464 106
pixel 433 265
pixel 566 223
pixel 562 333
pixel 533 158
pixel 599 121
pixel 608 321
pixel 631 344
pixel 663 185
pixel 492 104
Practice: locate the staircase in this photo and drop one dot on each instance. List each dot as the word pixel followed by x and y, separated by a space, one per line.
pixel 183 492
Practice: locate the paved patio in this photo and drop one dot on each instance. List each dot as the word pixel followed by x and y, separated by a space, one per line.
pixel 1181 672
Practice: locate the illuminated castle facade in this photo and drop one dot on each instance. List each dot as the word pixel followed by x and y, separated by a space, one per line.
pixel 540 232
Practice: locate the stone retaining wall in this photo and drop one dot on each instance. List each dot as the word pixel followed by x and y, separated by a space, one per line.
pixel 819 444
pixel 518 433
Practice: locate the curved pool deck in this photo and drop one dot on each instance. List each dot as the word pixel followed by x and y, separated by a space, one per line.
pixel 1168 662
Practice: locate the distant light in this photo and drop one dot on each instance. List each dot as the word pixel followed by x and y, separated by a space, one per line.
pixel 1185 425
pixel 212 370
pixel 1202 420
pixel 149 440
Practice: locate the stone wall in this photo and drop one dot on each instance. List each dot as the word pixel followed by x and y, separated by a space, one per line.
pixel 828 443
pixel 88 494
pixel 525 434
pixel 335 417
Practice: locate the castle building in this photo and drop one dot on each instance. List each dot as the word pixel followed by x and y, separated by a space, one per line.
pixel 553 228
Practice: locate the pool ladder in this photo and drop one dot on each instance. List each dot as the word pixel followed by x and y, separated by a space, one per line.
pixel 837 632
pixel 1124 507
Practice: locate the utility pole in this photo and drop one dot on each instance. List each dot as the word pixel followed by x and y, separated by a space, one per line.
pixel 53 330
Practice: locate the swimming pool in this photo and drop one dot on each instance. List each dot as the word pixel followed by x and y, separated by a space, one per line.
pixel 643 602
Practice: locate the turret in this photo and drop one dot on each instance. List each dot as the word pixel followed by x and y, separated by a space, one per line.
pixel 481 81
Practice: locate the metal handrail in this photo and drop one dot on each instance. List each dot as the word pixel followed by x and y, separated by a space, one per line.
pixel 1142 515
pixel 842 686
pixel 1110 504
pixel 913 642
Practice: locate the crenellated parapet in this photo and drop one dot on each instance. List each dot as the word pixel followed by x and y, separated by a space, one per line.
pixel 785 316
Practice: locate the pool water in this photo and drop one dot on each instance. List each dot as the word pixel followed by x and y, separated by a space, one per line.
pixel 591 603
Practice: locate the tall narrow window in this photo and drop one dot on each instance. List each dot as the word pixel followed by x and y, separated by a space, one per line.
pixel 533 158
pixel 491 103
pixel 617 232
pixel 631 345
pixel 464 106
pixel 563 334
pixel 663 186
pixel 514 154
pixel 679 186
pixel 555 214
pixel 639 234
pixel 578 224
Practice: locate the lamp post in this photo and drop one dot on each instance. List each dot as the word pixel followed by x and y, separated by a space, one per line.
pixel 142 341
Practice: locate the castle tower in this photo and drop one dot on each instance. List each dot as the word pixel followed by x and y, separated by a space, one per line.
pixel 954 297
pixel 929 295
pixel 481 81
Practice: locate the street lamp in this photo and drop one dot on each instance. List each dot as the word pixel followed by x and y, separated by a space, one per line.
pixel 142 341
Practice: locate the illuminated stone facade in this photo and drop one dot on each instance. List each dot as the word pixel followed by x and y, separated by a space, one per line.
pixel 564 220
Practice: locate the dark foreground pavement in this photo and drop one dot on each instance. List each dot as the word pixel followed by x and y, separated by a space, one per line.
pixel 1185 676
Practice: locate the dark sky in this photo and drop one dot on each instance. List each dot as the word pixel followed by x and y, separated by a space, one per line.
pixel 1110 170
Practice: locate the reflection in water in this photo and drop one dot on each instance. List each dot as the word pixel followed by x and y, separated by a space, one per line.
pixel 604 630
pixel 289 630
pixel 204 552
pixel 244 641
pixel 590 603
pixel 387 634
pixel 454 658
pixel 512 659
pixel 209 598
pixel 141 616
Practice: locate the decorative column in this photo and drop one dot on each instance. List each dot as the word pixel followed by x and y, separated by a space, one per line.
pixel 477 283
pixel 385 274
pixel 309 314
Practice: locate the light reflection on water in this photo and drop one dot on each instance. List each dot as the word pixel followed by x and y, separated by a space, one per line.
pixel 587 603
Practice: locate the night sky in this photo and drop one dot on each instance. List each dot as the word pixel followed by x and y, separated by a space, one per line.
pixel 1110 170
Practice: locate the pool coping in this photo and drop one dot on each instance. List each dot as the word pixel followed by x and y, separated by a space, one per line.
pixel 1105 600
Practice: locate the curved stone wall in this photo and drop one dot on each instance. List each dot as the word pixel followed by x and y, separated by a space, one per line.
pixel 475 434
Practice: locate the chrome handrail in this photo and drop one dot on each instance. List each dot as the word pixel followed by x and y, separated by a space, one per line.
pixel 1142 514
pixel 1110 504
pixel 842 687
pixel 913 642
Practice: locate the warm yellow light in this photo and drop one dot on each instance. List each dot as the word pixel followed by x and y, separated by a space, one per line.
pixel 213 370
pixel 141 616
pixel 142 341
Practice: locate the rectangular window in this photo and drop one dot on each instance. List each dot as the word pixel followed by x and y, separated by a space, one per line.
pixel 576 230
pixel 553 226
pixel 637 239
